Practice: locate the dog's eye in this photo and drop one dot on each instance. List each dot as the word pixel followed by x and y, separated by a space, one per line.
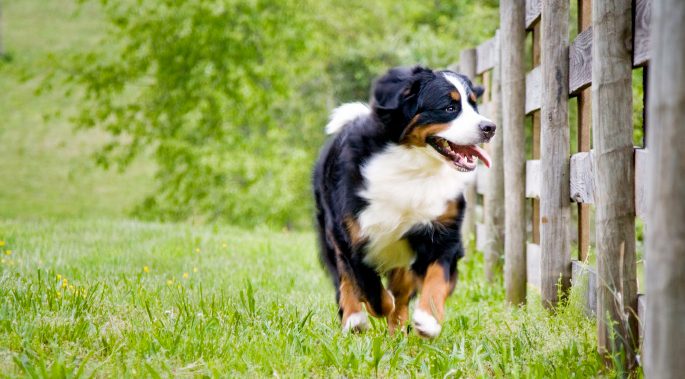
pixel 451 109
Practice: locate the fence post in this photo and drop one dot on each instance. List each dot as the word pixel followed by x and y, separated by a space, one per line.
pixel 612 130
pixel 665 237
pixel 555 257
pixel 512 26
pixel 467 66
pixel 494 217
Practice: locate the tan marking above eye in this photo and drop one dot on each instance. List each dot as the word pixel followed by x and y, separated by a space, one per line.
pixel 455 95
pixel 473 98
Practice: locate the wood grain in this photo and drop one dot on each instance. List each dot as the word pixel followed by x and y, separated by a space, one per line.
pixel 533 264
pixel 485 56
pixel 580 62
pixel 512 24
pixel 641 24
pixel 582 189
pixel 641 182
pixel 467 66
pixel 533 178
pixel 533 11
pixel 665 233
pixel 533 79
pixel 612 130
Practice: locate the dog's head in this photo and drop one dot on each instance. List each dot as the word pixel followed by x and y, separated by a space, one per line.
pixel 437 109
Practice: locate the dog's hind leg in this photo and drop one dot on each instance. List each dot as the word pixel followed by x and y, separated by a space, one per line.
pixel 401 283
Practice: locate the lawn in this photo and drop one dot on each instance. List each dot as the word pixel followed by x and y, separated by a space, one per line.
pixel 125 298
pixel 87 291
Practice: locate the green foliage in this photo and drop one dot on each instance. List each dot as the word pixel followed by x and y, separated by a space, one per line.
pixel 230 97
pixel 112 299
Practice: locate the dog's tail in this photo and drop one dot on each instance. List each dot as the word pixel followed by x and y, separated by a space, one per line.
pixel 344 114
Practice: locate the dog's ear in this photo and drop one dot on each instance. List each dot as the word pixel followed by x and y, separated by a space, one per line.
pixel 395 95
pixel 479 91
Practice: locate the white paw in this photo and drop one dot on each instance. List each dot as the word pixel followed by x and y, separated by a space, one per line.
pixel 357 322
pixel 425 324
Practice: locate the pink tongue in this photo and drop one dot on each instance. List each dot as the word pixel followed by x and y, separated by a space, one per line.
pixel 482 155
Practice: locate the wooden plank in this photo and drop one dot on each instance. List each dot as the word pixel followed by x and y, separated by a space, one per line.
pixel 665 234
pixel 485 56
pixel 555 207
pixel 482 174
pixel 481 236
pixel 584 111
pixel 533 79
pixel 643 14
pixel 533 178
pixel 467 66
pixel 584 275
pixel 641 183
pixel 612 130
pixel 533 11
pixel 533 264
pixel 512 30
pixel 494 199
pixel 641 317
pixel 582 178
pixel 580 62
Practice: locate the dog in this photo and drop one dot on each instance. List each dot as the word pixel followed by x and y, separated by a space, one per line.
pixel 388 188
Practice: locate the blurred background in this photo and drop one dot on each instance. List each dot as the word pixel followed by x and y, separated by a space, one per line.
pixel 199 110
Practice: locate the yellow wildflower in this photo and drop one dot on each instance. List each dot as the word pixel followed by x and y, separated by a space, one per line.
pixel 2 243
pixel 169 282
pixel 58 294
pixel 71 287
pixel 224 245
pixel 185 275
pixel 146 269
pixel 194 269
pixel 64 283
pixel 197 250
pixel 59 277
pixel 8 252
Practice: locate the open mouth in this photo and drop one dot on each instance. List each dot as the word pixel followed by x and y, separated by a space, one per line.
pixel 464 158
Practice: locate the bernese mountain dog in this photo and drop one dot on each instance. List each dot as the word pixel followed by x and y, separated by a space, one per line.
pixel 388 188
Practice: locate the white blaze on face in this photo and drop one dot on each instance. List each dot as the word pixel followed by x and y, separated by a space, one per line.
pixel 465 129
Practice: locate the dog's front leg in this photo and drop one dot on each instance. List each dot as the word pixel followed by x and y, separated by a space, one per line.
pixel 430 310
pixel 379 301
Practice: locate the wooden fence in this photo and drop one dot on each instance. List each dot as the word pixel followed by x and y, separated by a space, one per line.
pixel 606 176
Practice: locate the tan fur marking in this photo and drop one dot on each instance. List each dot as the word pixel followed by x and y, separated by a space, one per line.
pixel 450 214
pixel 387 305
pixel 349 300
pixel 434 292
pixel 455 95
pixel 417 136
pixel 402 283
pixel 354 231
pixel 473 97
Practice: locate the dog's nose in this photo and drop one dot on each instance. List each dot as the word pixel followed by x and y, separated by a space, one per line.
pixel 488 128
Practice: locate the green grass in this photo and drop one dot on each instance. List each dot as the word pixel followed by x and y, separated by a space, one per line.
pixel 254 303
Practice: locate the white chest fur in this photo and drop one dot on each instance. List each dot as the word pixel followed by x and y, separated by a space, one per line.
pixel 405 186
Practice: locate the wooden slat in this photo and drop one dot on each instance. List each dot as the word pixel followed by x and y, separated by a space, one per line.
pixel 641 174
pixel 612 131
pixel 555 208
pixel 485 56
pixel 580 62
pixel 643 14
pixel 512 30
pixel 533 11
pixel 584 126
pixel 482 179
pixel 533 79
pixel 580 273
pixel 467 66
pixel 533 264
pixel 533 178
pixel 481 236
pixel 582 178
pixel 641 316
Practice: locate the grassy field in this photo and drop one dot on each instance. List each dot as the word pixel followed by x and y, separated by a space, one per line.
pixel 123 298
pixel 86 291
